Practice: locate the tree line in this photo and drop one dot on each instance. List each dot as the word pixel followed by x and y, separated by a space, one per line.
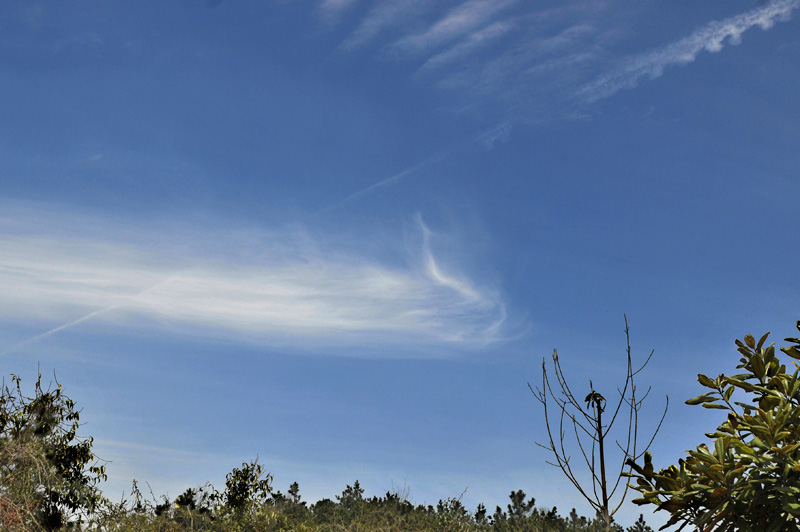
pixel 747 479
pixel 50 481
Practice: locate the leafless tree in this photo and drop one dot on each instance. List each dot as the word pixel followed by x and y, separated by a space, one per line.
pixel 592 433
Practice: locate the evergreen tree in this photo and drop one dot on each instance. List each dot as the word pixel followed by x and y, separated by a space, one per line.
pixel 519 508
pixel 639 526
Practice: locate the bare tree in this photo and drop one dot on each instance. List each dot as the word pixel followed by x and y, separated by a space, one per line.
pixel 588 426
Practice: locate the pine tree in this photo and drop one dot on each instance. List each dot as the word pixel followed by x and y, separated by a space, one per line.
pixel 639 526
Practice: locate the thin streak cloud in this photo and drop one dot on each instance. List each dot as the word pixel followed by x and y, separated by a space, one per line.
pixel 538 65
pixel 383 183
pixel 711 38
pixel 468 46
pixel 458 21
pixel 384 15
pixel 336 6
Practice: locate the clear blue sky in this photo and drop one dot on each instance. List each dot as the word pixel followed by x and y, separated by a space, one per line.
pixel 341 235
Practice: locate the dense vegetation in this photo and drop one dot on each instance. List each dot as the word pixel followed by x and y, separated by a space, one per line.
pixel 49 481
pixel 244 507
pixel 749 481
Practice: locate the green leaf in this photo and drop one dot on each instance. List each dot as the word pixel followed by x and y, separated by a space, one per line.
pixel 739 383
pixel 758 367
pixel 719 447
pixel 768 402
pixel 761 341
pixel 714 406
pixel 750 341
pixel 792 508
pixel 707 382
pixel 792 351
pixel 729 393
pixel 705 398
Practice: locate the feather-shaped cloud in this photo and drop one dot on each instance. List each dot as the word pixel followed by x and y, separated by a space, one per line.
pixel 281 287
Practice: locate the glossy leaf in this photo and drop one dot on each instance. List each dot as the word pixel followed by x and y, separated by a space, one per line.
pixel 706 381
pixel 750 482
pixel 705 398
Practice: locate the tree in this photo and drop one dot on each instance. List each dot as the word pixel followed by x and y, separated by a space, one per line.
pixel 48 474
pixel 519 509
pixel 750 477
pixel 351 494
pixel 245 489
pixel 587 424
pixel 639 526
pixel 480 516
pixel 294 493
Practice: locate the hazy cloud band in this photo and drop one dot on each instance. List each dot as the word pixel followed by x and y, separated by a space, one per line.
pixel 287 288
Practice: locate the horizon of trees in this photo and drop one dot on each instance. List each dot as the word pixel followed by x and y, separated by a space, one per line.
pixel 748 480
pixel 50 481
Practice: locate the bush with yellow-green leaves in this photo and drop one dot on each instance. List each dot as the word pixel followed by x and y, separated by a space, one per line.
pixel 748 478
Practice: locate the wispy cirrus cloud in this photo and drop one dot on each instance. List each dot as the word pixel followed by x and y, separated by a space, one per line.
pixel 456 22
pixel 711 38
pixel 336 6
pixel 280 287
pixel 472 43
pixel 527 78
pixel 382 16
pixel 538 64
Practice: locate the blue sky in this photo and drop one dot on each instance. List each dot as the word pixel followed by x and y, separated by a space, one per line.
pixel 341 235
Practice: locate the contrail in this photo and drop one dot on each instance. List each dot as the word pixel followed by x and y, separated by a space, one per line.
pixel 84 318
pixel 487 138
pixel 57 329
pixel 386 182
pixel 711 38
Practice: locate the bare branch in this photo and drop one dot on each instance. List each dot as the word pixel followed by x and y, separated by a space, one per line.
pixel 587 421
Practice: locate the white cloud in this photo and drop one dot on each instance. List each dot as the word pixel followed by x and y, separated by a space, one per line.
pixel 456 22
pixel 498 134
pixel 336 5
pixel 384 15
pixel 539 65
pixel 529 78
pixel 711 38
pixel 281 288
pixel 469 45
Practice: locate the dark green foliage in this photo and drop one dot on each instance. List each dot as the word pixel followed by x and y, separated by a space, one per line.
pixel 480 516
pixel 749 478
pixel 519 509
pixel 294 493
pixel 351 495
pixel 48 482
pixel 48 474
pixel 639 526
pixel 352 511
pixel 245 488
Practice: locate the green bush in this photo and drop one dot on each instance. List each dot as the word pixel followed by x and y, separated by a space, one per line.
pixel 749 477
pixel 48 474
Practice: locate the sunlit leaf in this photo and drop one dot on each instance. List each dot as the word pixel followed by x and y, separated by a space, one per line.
pixel 705 398
pixel 750 341
pixel 792 351
pixel 706 381
pixel 761 341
